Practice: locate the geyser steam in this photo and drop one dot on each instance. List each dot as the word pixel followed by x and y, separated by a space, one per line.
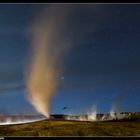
pixel 49 46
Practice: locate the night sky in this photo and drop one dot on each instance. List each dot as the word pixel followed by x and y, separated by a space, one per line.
pixel 104 63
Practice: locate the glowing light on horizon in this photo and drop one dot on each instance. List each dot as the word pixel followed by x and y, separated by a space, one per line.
pixel 9 121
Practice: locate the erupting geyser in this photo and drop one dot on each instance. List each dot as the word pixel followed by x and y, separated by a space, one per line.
pixel 114 113
pixel 49 45
pixel 91 116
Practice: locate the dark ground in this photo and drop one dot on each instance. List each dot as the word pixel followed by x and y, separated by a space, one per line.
pixel 72 128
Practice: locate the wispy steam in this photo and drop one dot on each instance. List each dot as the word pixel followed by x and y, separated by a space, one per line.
pixel 49 46
pixel 116 103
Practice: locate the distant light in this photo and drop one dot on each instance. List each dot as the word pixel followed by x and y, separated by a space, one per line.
pixel 9 121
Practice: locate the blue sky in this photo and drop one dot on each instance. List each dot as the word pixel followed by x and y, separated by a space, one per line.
pixel 103 64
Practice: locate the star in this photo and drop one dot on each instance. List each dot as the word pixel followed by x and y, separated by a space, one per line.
pixel 62 77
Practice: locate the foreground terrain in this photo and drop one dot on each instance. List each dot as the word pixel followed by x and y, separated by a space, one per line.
pixel 72 128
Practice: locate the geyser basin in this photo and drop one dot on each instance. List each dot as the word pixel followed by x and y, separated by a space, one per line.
pixel 129 116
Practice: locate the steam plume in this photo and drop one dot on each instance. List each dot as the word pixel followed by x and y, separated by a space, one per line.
pixel 115 105
pixel 49 46
pixel 115 114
